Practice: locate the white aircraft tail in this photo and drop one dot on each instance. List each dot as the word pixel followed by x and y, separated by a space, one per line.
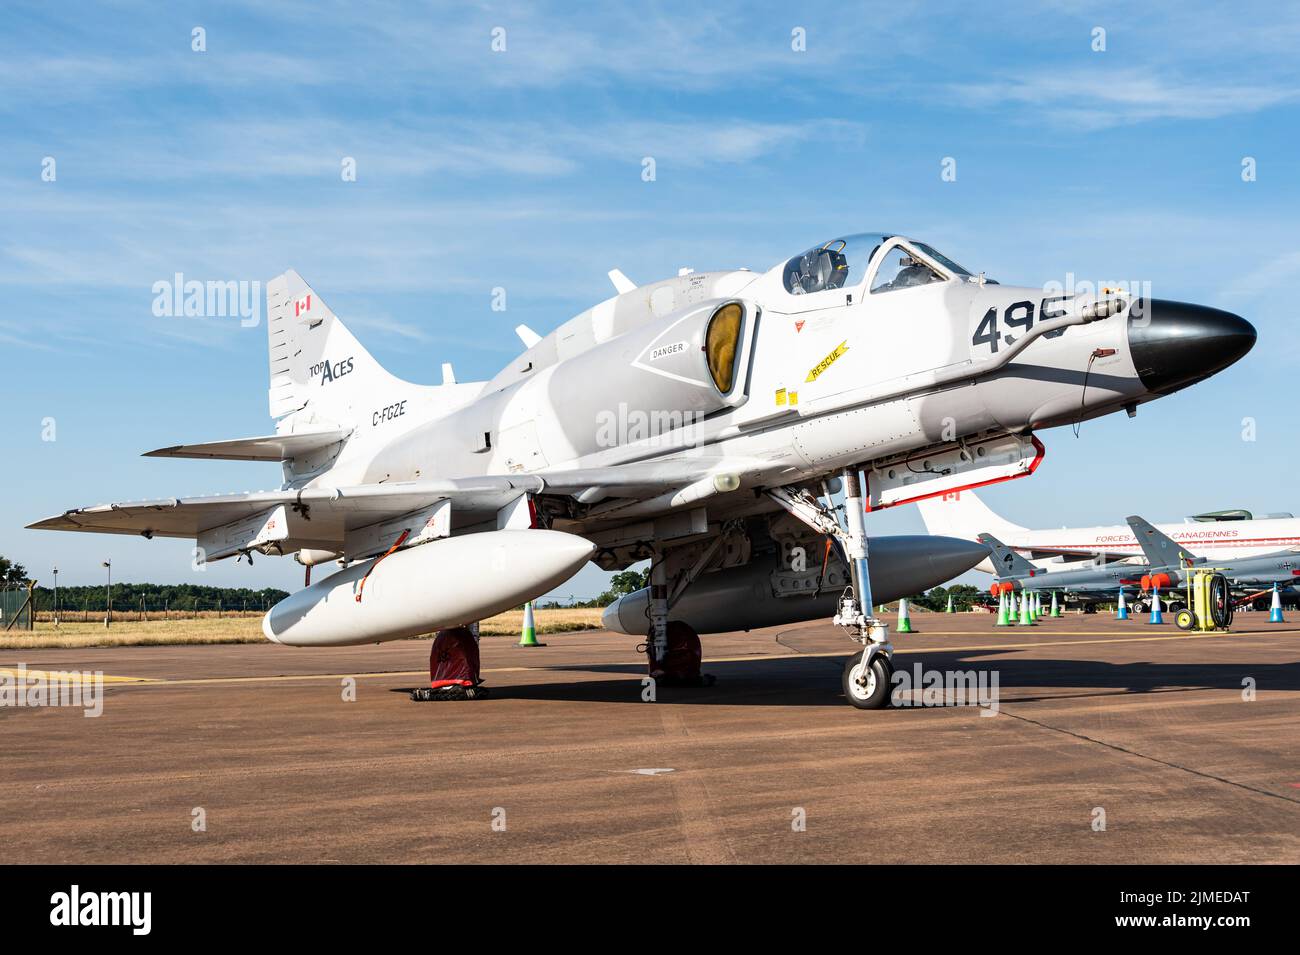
pixel 317 366
pixel 962 514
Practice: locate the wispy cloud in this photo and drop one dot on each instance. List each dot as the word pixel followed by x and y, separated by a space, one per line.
pixel 1087 99
pixel 1278 273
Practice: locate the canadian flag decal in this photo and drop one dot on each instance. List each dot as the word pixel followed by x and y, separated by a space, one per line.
pixel 302 305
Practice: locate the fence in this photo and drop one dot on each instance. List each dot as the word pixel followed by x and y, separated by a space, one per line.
pixel 16 607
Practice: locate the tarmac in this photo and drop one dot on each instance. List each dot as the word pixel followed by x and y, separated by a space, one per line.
pixel 1107 742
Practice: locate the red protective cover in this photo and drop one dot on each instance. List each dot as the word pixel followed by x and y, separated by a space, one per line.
pixel 453 659
pixel 684 656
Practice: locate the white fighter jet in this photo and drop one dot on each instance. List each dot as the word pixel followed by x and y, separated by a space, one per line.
pixel 707 421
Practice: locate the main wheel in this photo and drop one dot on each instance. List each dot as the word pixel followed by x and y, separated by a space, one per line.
pixel 1184 619
pixel 875 694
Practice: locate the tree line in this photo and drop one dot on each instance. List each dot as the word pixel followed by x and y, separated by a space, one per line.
pixel 964 596
pixel 158 597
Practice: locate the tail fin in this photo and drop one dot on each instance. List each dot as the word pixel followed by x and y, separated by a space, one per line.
pixel 1006 562
pixel 317 366
pixel 962 514
pixel 1159 549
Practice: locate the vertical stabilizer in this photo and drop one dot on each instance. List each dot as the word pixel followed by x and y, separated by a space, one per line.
pixel 316 363
pixel 1159 548
pixel 1006 562
pixel 962 514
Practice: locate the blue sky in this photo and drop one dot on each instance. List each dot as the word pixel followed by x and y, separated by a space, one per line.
pixel 522 169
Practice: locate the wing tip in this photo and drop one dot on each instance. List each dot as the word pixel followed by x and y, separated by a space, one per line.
pixel 59 522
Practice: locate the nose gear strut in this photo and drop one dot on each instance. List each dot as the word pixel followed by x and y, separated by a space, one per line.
pixel 867 675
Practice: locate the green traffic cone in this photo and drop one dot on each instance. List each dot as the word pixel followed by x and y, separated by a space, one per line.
pixel 950 610
pixel 904 621
pixel 1025 619
pixel 529 636
pixel 1056 607
pixel 1002 611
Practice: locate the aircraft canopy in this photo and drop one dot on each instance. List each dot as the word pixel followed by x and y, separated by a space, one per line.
pixel 842 263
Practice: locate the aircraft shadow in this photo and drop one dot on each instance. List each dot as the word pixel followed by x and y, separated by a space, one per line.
pixel 815 680
pixel 1102 678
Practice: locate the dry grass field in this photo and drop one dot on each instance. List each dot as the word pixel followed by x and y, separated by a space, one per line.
pixel 129 630
pixel 562 620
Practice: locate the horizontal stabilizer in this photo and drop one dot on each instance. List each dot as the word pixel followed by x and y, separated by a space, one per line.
pixel 272 447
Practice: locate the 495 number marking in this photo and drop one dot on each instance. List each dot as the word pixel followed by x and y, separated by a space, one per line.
pixel 1018 317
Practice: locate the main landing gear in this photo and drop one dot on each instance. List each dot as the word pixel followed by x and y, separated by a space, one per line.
pixel 868 675
pixel 673 649
pixel 453 668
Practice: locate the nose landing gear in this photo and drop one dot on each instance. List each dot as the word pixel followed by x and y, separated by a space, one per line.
pixel 867 675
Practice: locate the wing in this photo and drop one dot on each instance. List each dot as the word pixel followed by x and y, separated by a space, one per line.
pixel 331 512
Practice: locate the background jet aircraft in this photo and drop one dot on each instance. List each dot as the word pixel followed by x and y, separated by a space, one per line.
pixel 1170 563
pixel 1086 585
pixel 704 421
pixel 963 514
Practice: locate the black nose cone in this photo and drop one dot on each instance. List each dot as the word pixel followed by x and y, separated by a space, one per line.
pixel 1175 344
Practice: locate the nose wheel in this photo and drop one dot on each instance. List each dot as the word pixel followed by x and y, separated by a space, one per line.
pixel 866 685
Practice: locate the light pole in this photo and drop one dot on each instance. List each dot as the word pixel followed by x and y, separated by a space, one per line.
pixel 56 597
pixel 108 595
